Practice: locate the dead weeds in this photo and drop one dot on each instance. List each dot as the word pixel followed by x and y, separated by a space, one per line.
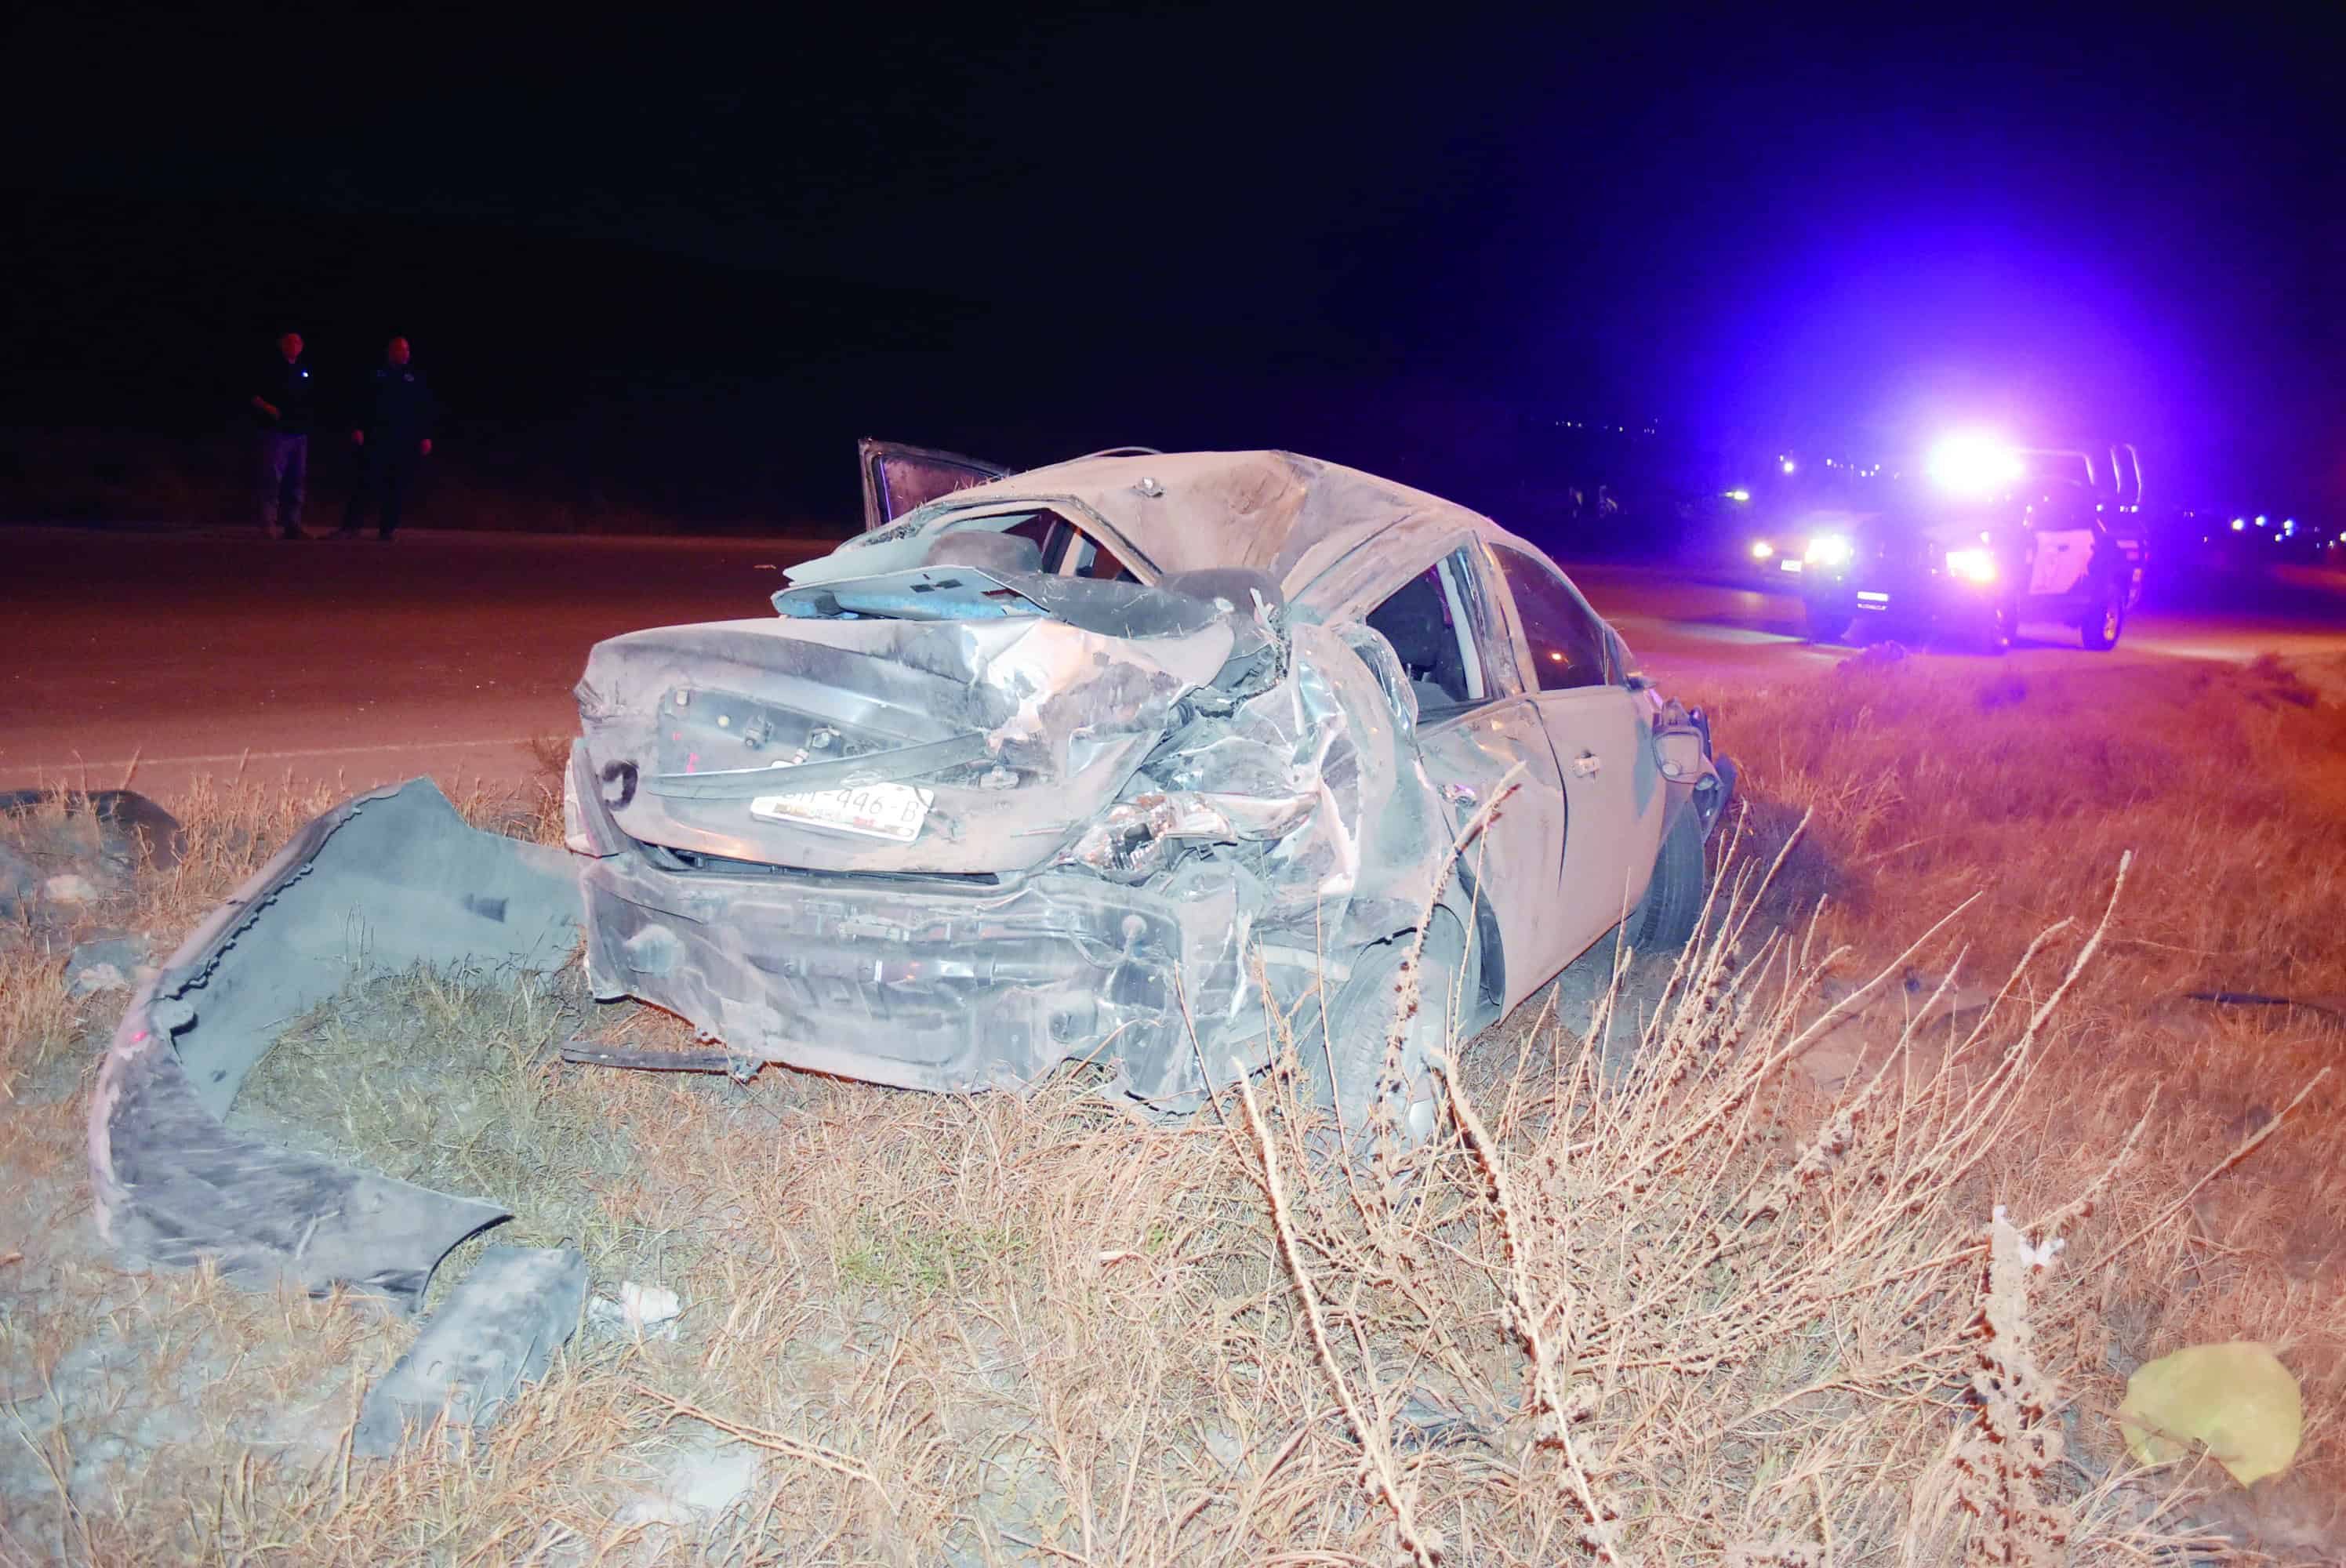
pixel 1678 1306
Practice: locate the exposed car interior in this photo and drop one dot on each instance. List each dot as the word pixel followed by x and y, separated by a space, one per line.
pixel 1067 551
pixel 1427 627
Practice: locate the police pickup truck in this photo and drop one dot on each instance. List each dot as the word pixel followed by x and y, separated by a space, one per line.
pixel 1985 537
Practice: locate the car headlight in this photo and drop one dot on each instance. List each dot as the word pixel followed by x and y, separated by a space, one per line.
pixel 1762 549
pixel 1828 550
pixel 1973 565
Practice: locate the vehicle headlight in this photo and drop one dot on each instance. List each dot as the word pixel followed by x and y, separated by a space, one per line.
pixel 1973 565
pixel 1828 550
pixel 1762 549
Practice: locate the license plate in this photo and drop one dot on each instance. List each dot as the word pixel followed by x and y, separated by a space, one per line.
pixel 1788 565
pixel 892 811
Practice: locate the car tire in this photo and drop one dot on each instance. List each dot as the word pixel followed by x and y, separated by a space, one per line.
pixel 2106 622
pixel 1666 916
pixel 1828 619
pixel 1362 1021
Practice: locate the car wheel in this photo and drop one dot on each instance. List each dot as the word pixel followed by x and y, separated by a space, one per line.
pixel 2103 626
pixel 1830 619
pixel 1367 1010
pixel 1666 917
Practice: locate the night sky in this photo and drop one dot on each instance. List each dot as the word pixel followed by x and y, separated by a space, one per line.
pixel 719 251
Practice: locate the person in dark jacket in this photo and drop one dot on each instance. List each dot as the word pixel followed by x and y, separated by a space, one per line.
pixel 283 409
pixel 392 435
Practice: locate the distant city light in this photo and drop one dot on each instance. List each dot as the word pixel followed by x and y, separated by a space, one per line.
pixel 1973 464
pixel 1739 495
pixel 2260 519
pixel 1789 464
pixel 2239 525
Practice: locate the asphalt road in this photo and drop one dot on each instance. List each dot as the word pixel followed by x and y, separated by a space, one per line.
pixel 358 663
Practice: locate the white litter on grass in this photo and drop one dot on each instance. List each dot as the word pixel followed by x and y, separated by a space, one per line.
pixel 641 1312
pixel 70 888
pixel 2036 1254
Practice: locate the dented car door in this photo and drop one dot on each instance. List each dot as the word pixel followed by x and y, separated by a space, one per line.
pixel 1602 740
pixel 1478 728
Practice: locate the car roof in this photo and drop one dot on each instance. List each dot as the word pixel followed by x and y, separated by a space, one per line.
pixel 1279 513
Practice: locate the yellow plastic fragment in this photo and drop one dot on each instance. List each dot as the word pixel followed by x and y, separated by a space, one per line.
pixel 2237 1398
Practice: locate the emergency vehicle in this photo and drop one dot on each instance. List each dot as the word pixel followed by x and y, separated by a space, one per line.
pixel 1983 537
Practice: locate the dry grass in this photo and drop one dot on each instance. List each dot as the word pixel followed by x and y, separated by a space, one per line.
pixel 1692 1311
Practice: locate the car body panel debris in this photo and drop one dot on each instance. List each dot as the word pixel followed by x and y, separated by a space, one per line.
pixel 379 884
pixel 497 1333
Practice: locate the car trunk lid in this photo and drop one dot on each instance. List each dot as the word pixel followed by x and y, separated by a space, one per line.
pixel 942 720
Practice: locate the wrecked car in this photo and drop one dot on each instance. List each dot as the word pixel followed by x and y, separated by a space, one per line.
pixel 1115 760
pixel 1150 760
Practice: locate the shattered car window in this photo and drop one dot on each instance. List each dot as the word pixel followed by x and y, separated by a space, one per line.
pixel 1065 549
pixel 908 482
pixel 1038 531
pixel 1096 560
pixel 1438 629
pixel 1567 644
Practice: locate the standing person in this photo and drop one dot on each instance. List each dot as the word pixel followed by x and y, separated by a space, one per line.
pixel 393 435
pixel 282 411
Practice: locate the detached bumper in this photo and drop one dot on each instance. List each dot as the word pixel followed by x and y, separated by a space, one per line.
pixel 380 882
pixel 949 983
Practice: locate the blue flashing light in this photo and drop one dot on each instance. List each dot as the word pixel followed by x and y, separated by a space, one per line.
pixel 1974 465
